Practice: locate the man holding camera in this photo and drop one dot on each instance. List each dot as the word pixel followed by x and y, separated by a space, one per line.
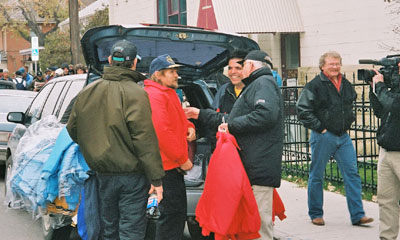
pixel 326 107
pixel 386 105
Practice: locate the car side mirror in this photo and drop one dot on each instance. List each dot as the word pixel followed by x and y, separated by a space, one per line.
pixel 16 117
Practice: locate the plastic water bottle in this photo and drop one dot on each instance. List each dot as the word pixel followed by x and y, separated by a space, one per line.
pixel 152 207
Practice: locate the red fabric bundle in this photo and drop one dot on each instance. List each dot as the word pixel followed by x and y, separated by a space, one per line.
pixel 227 206
pixel 278 209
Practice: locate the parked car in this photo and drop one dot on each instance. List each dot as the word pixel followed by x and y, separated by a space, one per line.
pixel 7 85
pixel 11 100
pixel 201 52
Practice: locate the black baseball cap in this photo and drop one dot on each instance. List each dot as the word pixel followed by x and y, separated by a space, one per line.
pixel 258 55
pixel 126 48
pixel 64 65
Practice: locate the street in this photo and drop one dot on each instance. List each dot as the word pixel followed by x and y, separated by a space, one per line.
pixel 16 224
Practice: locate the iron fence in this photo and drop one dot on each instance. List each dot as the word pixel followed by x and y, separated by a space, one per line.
pixel 297 152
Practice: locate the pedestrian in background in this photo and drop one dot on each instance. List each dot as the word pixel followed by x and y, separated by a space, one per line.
pixel 110 122
pixel 25 75
pixel 386 104
pixel 80 69
pixel 326 107
pixel 48 74
pixel 6 75
pixel 71 69
pixel 19 81
pixel 65 68
pixel 256 121
pixel 28 77
pixel 38 82
pixel 58 73
pixel 173 132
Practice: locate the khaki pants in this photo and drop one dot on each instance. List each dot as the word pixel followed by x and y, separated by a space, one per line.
pixel 263 197
pixel 388 194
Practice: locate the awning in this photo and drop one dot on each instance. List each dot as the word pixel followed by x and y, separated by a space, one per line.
pixel 206 18
pixel 258 16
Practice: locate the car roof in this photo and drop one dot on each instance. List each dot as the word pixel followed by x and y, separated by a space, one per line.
pixel 14 92
pixel 69 77
pixel 201 52
pixel 8 83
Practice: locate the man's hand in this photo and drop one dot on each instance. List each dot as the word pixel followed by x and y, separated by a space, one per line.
pixel 324 131
pixel 377 78
pixel 192 112
pixel 191 134
pixel 186 166
pixel 159 192
pixel 223 128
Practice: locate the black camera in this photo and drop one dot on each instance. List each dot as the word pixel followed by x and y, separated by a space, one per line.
pixel 389 70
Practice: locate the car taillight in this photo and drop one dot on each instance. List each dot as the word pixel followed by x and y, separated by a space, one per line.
pixel 4 136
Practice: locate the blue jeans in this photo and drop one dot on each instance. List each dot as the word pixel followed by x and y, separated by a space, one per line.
pixel 323 146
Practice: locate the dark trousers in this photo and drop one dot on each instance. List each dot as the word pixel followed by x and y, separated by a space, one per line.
pixel 122 200
pixel 173 207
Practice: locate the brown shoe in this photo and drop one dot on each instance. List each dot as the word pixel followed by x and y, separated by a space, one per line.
pixel 318 221
pixel 364 220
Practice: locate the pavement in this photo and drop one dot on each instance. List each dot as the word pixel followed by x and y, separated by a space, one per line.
pixel 298 226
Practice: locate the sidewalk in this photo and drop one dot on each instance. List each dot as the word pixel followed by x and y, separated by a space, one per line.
pixel 298 226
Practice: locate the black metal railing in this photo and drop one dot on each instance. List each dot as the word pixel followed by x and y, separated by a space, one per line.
pixel 297 152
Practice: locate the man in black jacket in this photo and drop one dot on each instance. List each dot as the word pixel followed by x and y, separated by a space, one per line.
pixel 224 98
pixel 386 105
pixel 256 120
pixel 326 107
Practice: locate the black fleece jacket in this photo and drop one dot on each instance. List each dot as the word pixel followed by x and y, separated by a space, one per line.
pixel 256 120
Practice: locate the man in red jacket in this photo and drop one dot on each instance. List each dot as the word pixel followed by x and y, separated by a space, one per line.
pixel 173 131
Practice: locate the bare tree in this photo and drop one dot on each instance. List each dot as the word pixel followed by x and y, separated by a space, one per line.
pixel 393 8
pixel 24 16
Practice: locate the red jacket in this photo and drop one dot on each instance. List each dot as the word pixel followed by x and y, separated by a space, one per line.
pixel 227 206
pixel 170 124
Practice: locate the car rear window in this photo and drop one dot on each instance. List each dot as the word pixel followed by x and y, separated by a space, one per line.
pixel 188 53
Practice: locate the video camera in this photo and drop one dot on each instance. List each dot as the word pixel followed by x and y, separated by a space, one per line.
pixel 389 70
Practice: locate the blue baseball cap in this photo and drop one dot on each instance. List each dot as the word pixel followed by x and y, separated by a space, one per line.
pixel 162 62
pixel 21 70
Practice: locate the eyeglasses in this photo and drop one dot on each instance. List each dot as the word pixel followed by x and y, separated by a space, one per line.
pixel 334 64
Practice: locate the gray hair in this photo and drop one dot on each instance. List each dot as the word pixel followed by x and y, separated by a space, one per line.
pixel 332 54
pixel 259 64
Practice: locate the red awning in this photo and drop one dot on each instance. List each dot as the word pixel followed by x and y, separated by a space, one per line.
pixel 206 18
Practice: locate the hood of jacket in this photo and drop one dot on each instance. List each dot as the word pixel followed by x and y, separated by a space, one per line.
pixel 117 73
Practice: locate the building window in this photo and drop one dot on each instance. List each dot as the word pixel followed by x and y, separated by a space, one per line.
pixel 290 54
pixel 172 12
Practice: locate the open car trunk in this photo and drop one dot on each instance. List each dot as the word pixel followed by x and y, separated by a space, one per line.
pixel 202 52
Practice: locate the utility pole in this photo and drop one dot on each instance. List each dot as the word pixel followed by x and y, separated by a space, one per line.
pixel 74 30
